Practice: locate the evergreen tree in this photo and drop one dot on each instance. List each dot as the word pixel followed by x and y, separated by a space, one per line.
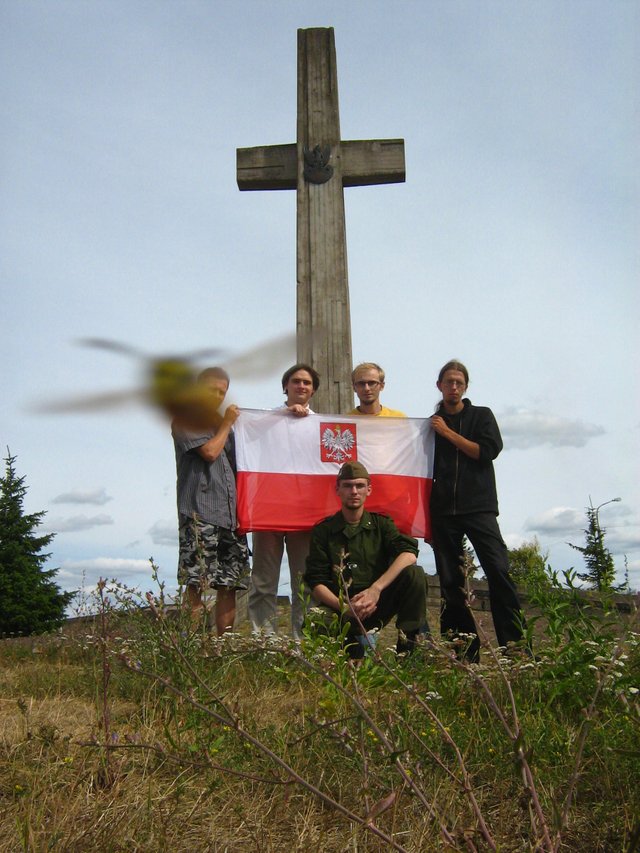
pixel 601 571
pixel 30 601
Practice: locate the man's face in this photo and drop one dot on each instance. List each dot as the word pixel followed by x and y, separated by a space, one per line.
pixel 353 493
pixel 367 385
pixel 299 388
pixel 452 387
pixel 216 388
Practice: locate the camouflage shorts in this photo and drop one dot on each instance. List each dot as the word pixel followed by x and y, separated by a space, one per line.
pixel 212 556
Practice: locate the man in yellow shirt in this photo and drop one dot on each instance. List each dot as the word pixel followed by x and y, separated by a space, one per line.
pixel 368 382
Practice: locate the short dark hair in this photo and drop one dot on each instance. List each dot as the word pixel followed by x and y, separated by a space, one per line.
pixel 315 376
pixel 214 373
pixel 454 365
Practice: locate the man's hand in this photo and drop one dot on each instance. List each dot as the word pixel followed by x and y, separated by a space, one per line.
pixel 439 425
pixel 364 603
pixel 298 410
pixel 468 447
pixel 231 414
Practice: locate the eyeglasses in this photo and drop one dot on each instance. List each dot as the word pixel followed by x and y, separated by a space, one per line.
pixel 454 383
pixel 366 383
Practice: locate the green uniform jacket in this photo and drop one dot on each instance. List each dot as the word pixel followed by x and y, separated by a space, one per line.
pixel 368 548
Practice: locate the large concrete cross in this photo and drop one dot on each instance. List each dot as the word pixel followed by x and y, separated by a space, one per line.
pixel 318 166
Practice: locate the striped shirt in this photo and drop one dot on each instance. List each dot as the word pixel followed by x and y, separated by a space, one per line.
pixel 207 489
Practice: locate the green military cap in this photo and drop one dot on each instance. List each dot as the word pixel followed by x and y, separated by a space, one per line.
pixel 353 471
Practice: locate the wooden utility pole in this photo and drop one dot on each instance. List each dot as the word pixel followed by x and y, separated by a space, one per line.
pixel 318 166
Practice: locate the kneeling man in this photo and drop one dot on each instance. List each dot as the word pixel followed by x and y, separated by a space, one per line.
pixel 379 566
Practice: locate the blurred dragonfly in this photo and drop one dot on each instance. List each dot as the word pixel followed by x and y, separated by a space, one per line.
pixel 169 383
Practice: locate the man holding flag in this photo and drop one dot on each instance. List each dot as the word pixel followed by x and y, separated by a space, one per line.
pixel 212 552
pixel 464 502
pixel 299 384
pixel 362 568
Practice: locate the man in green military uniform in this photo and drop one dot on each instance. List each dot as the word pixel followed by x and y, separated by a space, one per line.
pixel 380 578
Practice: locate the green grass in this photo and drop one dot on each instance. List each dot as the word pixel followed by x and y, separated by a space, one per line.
pixel 141 735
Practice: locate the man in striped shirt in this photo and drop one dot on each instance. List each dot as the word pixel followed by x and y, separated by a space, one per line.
pixel 212 555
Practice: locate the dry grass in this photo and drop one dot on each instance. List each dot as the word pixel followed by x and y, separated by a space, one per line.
pixel 161 775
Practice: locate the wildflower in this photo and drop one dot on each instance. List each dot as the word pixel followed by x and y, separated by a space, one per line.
pixel 634 690
pixel 432 695
pixel 592 667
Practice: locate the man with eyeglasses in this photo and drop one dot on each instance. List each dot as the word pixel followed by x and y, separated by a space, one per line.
pixel 368 382
pixel 378 578
pixel 464 502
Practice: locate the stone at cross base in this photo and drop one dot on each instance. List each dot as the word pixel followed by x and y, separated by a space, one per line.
pixel 318 166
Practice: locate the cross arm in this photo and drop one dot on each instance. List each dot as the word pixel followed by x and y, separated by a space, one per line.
pixel 364 162
pixel 373 161
pixel 267 167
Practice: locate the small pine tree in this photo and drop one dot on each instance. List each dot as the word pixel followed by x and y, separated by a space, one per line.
pixel 30 601
pixel 601 571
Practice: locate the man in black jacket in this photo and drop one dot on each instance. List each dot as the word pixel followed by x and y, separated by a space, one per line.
pixel 464 502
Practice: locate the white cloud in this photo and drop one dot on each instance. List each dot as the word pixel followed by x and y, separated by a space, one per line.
pixel 560 521
pixel 164 532
pixel 525 428
pixel 131 578
pixel 76 523
pixel 515 540
pixel 99 497
pixel 622 540
pixel 621 536
pixel 105 567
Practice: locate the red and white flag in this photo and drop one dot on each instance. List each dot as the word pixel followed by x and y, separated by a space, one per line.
pixel 287 468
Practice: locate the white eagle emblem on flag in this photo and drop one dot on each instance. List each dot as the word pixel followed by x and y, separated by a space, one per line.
pixel 339 443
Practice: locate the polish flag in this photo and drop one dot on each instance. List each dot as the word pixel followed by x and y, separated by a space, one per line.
pixel 287 468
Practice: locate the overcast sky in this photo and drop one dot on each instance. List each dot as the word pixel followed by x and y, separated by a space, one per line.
pixel 513 244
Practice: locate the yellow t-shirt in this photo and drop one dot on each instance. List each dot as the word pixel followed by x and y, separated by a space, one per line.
pixel 383 413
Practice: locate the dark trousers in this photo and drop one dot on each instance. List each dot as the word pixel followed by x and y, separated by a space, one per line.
pixel 484 534
pixel 405 598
